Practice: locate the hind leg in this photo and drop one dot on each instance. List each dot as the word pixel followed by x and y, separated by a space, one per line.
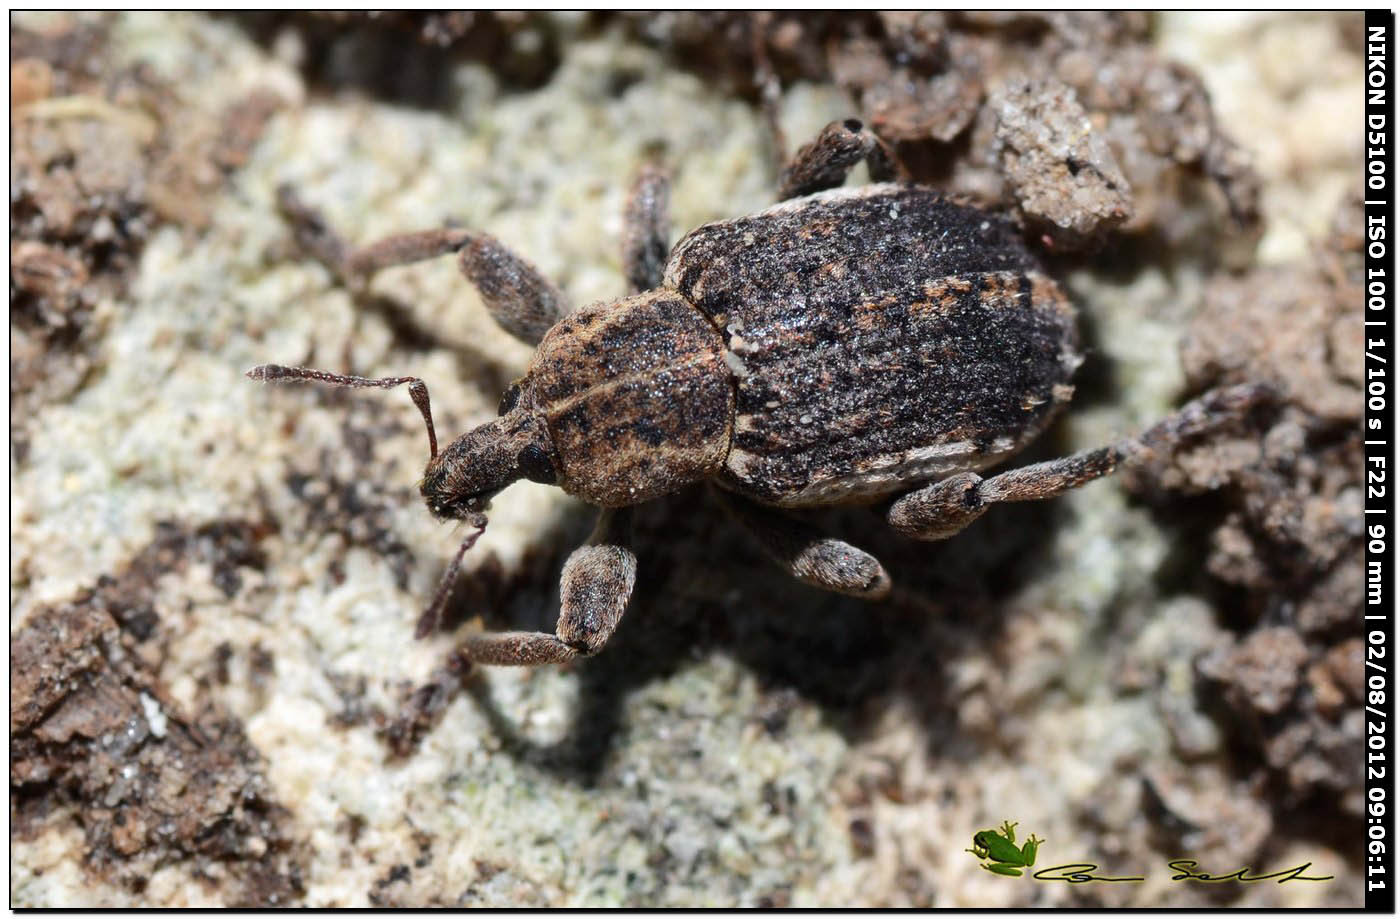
pixel 947 507
pixel 944 508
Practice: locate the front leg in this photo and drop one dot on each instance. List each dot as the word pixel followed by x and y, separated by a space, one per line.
pixel 944 508
pixel 594 590
pixel 519 298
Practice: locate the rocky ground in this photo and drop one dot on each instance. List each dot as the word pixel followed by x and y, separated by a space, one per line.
pixel 215 693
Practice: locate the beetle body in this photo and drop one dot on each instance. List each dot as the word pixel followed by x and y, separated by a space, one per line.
pixel 843 346
pixel 832 349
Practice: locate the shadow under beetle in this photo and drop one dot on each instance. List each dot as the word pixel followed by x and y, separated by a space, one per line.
pixel 843 346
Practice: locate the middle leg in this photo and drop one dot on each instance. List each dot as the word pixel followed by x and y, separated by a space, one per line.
pixel 808 555
pixel 646 229
pixel 827 160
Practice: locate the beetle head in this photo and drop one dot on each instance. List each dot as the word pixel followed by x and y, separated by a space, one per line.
pixel 461 480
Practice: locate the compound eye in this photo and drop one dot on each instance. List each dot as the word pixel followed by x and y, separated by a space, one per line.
pixel 509 398
pixel 535 465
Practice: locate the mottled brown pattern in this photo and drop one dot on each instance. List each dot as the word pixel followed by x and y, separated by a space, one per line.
pixel 636 397
pixel 878 336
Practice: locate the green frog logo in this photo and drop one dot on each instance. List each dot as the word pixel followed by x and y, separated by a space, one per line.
pixel 998 847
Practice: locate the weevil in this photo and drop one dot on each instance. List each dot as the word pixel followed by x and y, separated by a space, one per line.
pixel 848 345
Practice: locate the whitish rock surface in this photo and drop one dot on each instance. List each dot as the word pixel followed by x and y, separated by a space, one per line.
pixel 745 741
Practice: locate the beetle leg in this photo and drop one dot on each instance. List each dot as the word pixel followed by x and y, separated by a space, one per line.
pixel 594 590
pixel 808 555
pixel 646 229
pixel 515 649
pixel 352 266
pixel 826 161
pixel 520 299
pixel 946 507
pixel 770 88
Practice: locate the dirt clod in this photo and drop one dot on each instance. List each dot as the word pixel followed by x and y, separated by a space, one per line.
pixel 1286 493
pixel 1063 175
pixel 96 737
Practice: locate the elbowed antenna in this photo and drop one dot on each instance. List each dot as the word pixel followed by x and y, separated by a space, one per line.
pixel 417 389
